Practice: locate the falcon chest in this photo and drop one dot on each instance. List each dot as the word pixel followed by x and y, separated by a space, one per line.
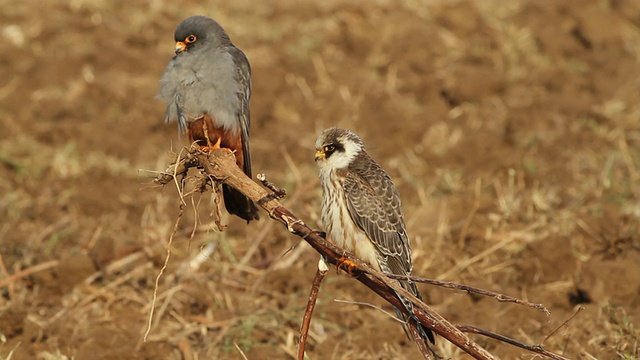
pixel 338 221
pixel 204 88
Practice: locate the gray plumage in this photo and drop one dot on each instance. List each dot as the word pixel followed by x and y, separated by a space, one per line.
pixel 210 77
pixel 361 208
pixel 213 77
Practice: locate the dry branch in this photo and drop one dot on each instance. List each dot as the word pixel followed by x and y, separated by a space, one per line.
pixel 221 166
pixel 10 279
pixel 313 295
pixel 472 290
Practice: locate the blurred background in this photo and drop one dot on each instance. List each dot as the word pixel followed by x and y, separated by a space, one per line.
pixel 510 128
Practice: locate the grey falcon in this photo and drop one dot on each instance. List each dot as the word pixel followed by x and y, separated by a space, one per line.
pixel 207 88
pixel 361 209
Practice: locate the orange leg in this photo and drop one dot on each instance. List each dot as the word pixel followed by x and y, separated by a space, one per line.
pixel 210 146
pixel 208 138
pixel 346 265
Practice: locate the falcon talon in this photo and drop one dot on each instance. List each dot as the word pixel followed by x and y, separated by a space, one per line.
pixel 347 265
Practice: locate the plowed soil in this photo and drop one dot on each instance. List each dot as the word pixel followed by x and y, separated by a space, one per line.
pixel 511 129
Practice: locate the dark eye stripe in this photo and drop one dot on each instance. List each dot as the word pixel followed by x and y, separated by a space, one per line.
pixel 331 148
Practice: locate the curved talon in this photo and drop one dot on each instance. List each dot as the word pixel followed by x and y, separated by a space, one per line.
pixel 346 265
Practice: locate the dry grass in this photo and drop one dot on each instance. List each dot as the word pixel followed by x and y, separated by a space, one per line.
pixel 511 131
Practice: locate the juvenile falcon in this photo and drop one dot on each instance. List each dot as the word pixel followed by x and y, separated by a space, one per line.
pixel 361 209
pixel 207 87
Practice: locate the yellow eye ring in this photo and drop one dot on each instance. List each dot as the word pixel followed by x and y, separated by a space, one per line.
pixel 190 39
pixel 329 148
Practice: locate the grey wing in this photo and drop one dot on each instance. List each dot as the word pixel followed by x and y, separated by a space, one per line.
pixel 181 115
pixel 374 205
pixel 243 76
pixel 169 93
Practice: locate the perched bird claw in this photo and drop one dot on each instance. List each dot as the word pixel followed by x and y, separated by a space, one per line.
pixel 347 265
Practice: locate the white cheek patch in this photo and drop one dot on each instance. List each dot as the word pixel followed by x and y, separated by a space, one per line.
pixel 342 159
pixel 339 160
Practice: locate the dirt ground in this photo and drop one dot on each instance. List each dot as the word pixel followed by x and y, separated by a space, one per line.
pixel 510 128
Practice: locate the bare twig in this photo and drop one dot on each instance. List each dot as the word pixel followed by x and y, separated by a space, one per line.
pixel 472 290
pixel 26 272
pixel 533 348
pixel 391 316
pixel 179 166
pixel 311 304
pixel 217 213
pixel 240 351
pixel 220 165
pixel 279 193
pixel 564 323
pixel 185 349
pixel 164 266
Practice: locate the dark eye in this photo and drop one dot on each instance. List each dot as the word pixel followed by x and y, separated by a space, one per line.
pixel 191 39
pixel 329 148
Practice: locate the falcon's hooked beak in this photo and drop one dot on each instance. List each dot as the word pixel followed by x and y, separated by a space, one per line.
pixel 320 155
pixel 180 47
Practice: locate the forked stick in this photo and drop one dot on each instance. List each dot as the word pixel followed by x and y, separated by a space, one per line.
pixel 221 166
pixel 311 304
